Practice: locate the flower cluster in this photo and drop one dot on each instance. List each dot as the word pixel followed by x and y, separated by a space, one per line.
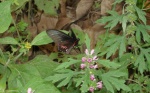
pixel 89 62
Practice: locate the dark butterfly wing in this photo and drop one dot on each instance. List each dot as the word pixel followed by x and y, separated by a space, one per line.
pixel 65 43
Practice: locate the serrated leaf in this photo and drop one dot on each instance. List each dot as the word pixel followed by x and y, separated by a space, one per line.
pixel 124 23
pixel 141 14
pixel 138 36
pixel 111 79
pixel 140 63
pixel 8 40
pixel 87 41
pixel 122 47
pixel 41 39
pixel 112 49
pixel 109 64
pixel 66 80
pixel 5 16
pixel 67 64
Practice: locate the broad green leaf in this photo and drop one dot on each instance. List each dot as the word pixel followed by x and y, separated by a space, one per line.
pixel 3 83
pixel 8 40
pixel 21 73
pixel 41 39
pixel 18 4
pixel 38 85
pixel 141 14
pixel 41 67
pixel 80 35
pixel 5 16
pixel 49 6
pixel 109 64
pixel 44 65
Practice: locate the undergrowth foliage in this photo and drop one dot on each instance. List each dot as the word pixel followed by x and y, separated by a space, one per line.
pixel 96 70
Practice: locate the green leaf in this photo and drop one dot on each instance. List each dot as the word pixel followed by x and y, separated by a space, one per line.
pixel 44 65
pixel 5 16
pixel 122 47
pixel 18 4
pixel 80 35
pixel 142 29
pixel 49 6
pixel 141 14
pixel 124 23
pixel 67 64
pixel 143 59
pixel 111 79
pixel 8 40
pixel 112 49
pixel 109 64
pixel 41 39
pixel 87 41
pixel 117 1
pixel 112 20
pixel 140 63
pixel 3 83
pixel 64 77
pixel 138 36
pixel 113 44
pixel 41 67
pixel 38 85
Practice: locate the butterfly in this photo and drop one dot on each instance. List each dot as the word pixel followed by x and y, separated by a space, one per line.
pixel 64 42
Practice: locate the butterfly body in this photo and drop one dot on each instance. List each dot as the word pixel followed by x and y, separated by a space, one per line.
pixel 64 42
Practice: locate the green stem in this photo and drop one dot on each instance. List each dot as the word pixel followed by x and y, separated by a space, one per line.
pixel 16 29
pixel 17 57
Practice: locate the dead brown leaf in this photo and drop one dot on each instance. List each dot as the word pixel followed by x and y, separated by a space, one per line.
pixel 107 5
pixel 83 7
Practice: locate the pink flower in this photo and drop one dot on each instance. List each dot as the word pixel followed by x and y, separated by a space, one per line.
pixel 91 66
pixel 89 60
pixel 84 59
pixel 92 77
pixel 95 66
pixel 99 84
pixel 29 90
pixel 86 52
pixel 91 89
pixel 82 66
pixel 92 52
pixel 95 58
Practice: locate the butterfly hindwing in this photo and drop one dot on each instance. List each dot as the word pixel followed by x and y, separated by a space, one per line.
pixel 64 42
